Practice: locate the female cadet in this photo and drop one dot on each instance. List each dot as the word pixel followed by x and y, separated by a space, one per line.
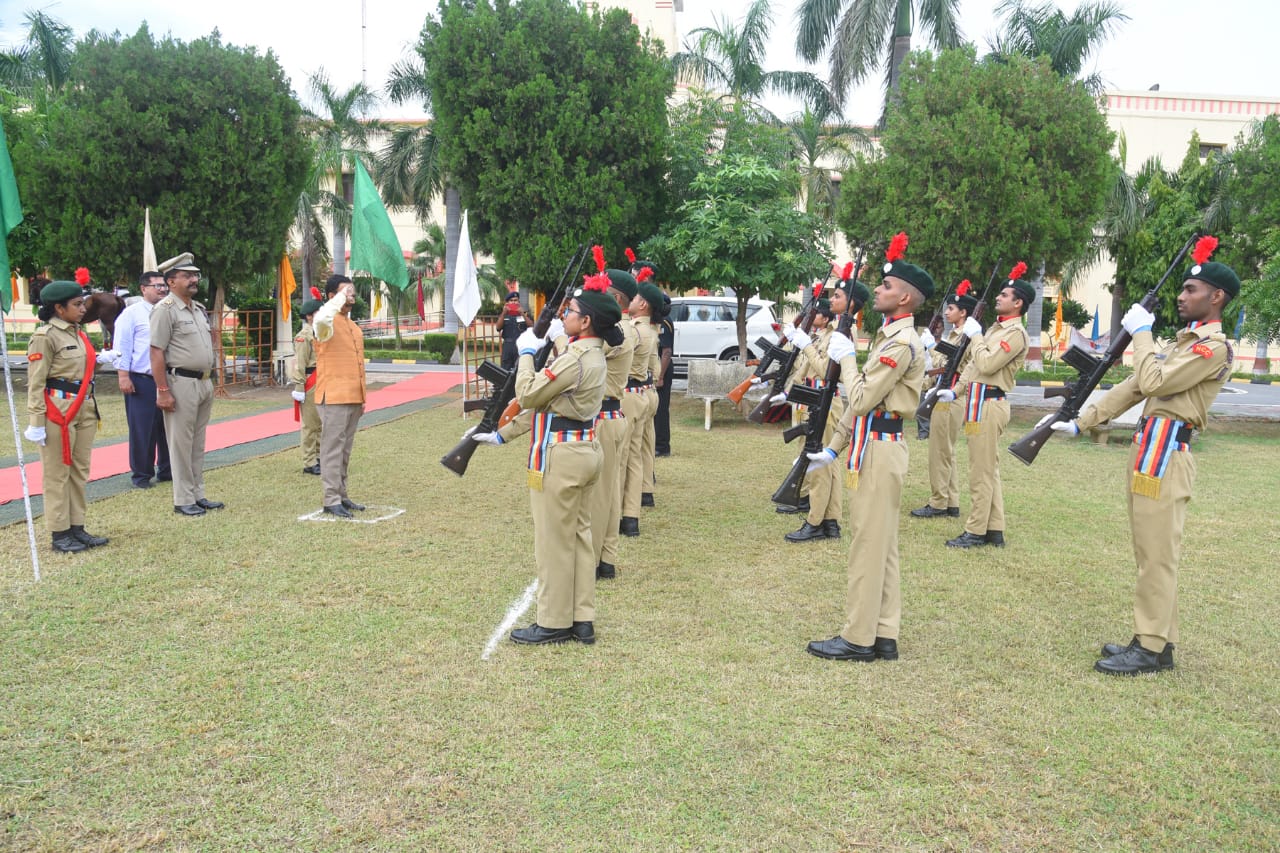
pixel 64 415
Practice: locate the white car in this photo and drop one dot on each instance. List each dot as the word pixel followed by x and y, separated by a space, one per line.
pixel 706 327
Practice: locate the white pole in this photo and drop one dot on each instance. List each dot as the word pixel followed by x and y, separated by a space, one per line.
pixel 17 443
pixel 466 369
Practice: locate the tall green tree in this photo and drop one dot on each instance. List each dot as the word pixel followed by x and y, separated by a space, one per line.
pixel 553 124
pixel 980 162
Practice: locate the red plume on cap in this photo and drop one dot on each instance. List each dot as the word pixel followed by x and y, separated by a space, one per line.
pixel 316 294
pixel 597 252
pixel 847 272
pixel 598 282
pixel 1018 269
pixel 964 287
pixel 631 256
pixel 645 274
pixel 897 247
pixel 82 273
pixel 1205 247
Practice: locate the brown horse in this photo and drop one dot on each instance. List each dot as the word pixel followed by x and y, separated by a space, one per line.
pixel 100 307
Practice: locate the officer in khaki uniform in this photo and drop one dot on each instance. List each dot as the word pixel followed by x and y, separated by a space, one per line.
pixel 613 433
pixel 643 405
pixel 944 474
pixel 63 415
pixel 1179 381
pixel 994 361
pixel 877 398
pixel 182 363
pixel 304 383
pixel 559 407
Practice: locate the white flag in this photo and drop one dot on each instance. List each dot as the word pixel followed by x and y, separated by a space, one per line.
pixel 148 248
pixel 466 284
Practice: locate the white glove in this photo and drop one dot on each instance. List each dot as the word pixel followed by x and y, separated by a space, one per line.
pixel 1066 427
pixel 756 380
pixel 787 331
pixel 299 396
pixel 800 339
pixel 34 434
pixel 946 395
pixel 821 459
pixel 927 338
pixel 556 329
pixel 487 438
pixel 840 347
pixel 971 328
pixel 1137 319
pixel 778 399
pixel 108 357
pixel 529 343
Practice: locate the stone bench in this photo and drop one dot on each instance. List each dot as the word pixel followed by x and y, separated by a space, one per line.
pixel 711 380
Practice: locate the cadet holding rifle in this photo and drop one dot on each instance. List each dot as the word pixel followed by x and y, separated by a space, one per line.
pixel 877 399
pixel 1179 381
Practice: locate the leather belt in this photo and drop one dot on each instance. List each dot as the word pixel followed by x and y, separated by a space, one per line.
pixel 885 424
pixel 559 424
pixel 190 374
pixel 993 393
pixel 68 385
pixel 610 404
pixel 639 383
pixel 1183 435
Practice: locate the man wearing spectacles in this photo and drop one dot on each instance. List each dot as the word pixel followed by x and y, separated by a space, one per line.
pixel 148 448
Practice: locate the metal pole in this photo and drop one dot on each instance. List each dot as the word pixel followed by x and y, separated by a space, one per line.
pixel 17 443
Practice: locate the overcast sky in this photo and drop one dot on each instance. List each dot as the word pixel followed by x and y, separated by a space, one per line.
pixel 1224 47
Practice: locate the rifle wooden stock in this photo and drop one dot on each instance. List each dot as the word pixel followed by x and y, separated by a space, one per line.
pixel 786 359
pixel 736 394
pixel 1091 369
pixel 955 354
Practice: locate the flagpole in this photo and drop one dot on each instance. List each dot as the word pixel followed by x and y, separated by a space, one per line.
pixel 17 443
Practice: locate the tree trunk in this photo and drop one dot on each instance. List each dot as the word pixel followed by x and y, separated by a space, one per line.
pixel 452 234
pixel 1261 362
pixel 1035 315
pixel 741 323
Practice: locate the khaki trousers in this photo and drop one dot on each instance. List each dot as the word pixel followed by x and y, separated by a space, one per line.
pixel 826 486
pixel 184 430
pixel 338 425
pixel 944 473
pixel 606 500
pixel 1156 524
pixel 640 413
pixel 64 485
pixel 562 534
pixel 647 448
pixel 873 605
pixel 986 511
pixel 309 439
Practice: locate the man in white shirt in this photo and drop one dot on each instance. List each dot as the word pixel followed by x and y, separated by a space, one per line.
pixel 148 450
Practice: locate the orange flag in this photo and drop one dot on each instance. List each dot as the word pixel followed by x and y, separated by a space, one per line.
pixel 287 286
pixel 1057 321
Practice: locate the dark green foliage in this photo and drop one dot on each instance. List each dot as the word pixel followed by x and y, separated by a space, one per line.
pixel 1074 315
pixel 552 124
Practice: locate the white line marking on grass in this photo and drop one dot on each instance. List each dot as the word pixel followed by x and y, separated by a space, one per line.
pixel 388 512
pixel 514 612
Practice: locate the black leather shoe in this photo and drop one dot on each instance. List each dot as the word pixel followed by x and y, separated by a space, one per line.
pixel 1136 660
pixel 629 526
pixel 189 509
pixel 350 504
pixel 838 648
pixel 995 538
pixel 1110 649
pixel 786 509
pixel 927 511
pixel 312 469
pixel 64 542
pixel 207 504
pixel 164 478
pixel 661 454
pixel 831 528
pixel 339 510
pixel 79 534
pixel 646 499
pixel 583 632
pixel 806 533
pixel 605 572
pixel 967 540
pixel 536 635
pixel 885 648
pixel 142 484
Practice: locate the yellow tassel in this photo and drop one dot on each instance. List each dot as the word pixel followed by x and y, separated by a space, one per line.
pixel 1145 485
pixel 535 480
pixel 851 478
pixel 972 427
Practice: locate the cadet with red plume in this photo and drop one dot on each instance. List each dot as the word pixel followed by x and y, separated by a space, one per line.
pixel 613 431
pixel 304 383
pixel 644 311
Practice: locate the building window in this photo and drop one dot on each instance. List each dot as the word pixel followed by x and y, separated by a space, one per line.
pixel 349 186
pixel 1211 149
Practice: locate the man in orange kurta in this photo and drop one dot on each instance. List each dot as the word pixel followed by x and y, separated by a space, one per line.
pixel 340 390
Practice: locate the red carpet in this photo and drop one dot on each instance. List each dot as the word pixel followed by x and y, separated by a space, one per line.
pixel 112 459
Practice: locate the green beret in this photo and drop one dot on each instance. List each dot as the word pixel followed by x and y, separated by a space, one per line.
pixel 652 294
pixel 600 307
pixel 965 303
pixel 824 307
pixel 1219 275
pixel 1024 291
pixel 59 291
pixel 856 291
pixel 639 265
pixel 912 275
pixel 310 306
pixel 623 282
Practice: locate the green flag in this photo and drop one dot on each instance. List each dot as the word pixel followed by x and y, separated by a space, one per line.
pixel 10 216
pixel 374 247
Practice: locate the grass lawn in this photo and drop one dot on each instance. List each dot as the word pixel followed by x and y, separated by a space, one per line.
pixel 249 681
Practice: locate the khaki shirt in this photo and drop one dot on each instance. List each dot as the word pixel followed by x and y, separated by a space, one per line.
pixel 994 357
pixel 1179 381
pixel 939 361
pixel 304 354
pixel 812 361
pixel 644 364
pixel 572 386
pixel 182 333
pixel 890 380
pixel 619 359
pixel 55 351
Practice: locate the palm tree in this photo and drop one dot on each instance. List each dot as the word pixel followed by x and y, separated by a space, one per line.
pixel 314 199
pixel 41 66
pixel 342 130
pixel 862 34
pixel 821 143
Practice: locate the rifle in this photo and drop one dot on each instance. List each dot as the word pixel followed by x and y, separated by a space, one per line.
pixel 819 401
pixel 786 358
pixel 503 382
pixel 955 354
pixel 772 351
pixel 1091 369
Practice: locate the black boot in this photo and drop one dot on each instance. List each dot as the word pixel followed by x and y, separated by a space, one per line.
pixel 66 543
pixel 629 526
pixel 996 538
pixel 806 533
pixel 646 499
pixel 967 540
pixel 605 571
pixel 1136 660
pixel 831 528
pixel 79 534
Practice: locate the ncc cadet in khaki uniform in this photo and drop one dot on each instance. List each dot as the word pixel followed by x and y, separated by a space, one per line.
pixel 559 408
pixel 877 398
pixel 182 363
pixel 304 383
pixel 1179 381
pixel 63 413
pixel 643 404
pixel 646 271
pixel 613 433
pixel 948 416
pixel 993 364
